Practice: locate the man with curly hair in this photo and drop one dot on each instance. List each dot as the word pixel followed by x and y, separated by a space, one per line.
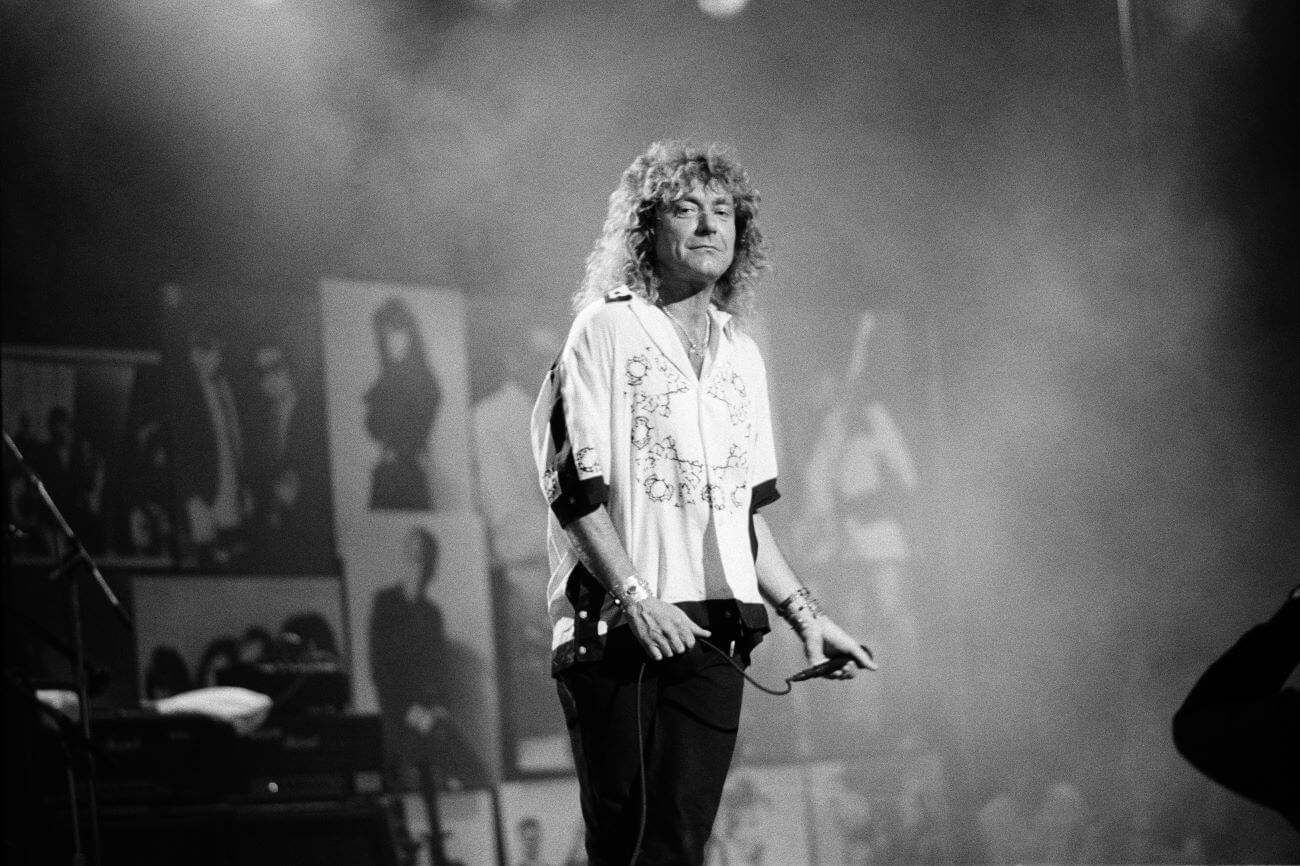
pixel 653 441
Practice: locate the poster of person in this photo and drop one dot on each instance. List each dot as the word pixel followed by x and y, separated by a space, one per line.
pixel 883 807
pixel 515 513
pixel 417 580
pixel 195 631
pixel 541 823
pixel 92 425
pixel 460 831
pixel 399 397
pixel 858 494
pixel 761 820
pixel 250 455
pixel 424 661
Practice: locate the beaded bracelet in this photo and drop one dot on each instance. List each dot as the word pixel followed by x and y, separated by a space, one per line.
pixel 799 609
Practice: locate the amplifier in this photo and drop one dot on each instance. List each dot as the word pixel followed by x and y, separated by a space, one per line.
pixel 149 758
pixel 145 758
pixel 312 757
pixel 293 686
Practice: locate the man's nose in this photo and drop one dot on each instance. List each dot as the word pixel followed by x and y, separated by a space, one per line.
pixel 707 223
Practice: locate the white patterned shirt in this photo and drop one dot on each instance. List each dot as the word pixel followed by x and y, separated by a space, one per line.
pixel 623 421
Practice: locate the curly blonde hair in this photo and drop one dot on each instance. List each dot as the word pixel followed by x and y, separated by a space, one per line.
pixel 624 254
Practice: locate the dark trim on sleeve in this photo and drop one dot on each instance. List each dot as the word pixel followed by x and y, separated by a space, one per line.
pixel 587 596
pixel 764 493
pixel 575 497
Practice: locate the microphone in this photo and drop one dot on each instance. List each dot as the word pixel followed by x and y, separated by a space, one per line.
pixel 826 668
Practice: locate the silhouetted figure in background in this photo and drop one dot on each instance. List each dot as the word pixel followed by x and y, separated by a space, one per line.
pixel 167 674
pixel 861 481
pixel 401 408
pixel 221 654
pixel 287 465
pixel 73 475
pixel 529 830
pixel 308 638
pixel 142 485
pixel 211 458
pixel 512 506
pixel 1240 725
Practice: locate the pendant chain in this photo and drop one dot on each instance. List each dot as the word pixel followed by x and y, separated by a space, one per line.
pixel 694 349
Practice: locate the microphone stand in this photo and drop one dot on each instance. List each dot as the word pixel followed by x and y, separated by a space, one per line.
pixel 75 557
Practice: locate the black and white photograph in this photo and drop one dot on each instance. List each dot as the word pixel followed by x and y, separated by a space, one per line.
pixel 250 461
pixel 93 429
pixel 655 433
pixel 278 636
pixel 397 381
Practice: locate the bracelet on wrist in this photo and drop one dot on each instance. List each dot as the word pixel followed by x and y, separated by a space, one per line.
pixel 629 591
pixel 799 609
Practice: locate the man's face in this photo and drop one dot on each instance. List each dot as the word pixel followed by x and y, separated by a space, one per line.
pixel 695 239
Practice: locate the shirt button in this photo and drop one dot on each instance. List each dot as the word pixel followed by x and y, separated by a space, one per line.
pixel 582 614
pixel 582 650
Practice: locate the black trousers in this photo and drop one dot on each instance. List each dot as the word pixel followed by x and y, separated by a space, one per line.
pixel 689 716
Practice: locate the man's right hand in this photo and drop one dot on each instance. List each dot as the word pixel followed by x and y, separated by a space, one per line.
pixel 663 629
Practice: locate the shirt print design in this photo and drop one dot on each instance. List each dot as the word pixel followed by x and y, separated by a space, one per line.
pixel 731 486
pixel 662 471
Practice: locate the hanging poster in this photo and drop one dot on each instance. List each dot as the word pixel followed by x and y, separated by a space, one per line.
pixel 412 546
pixel 283 636
pixel 399 397
pixel 541 822
pixel 91 424
pixel 855 479
pixel 459 828
pixel 891 806
pixel 249 449
pixel 761 819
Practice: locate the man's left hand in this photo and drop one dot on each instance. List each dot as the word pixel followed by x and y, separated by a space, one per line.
pixel 822 638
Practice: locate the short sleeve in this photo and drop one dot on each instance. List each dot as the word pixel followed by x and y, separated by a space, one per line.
pixel 571 424
pixel 762 478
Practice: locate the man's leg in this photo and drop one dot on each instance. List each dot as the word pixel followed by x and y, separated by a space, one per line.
pixel 688 753
pixel 599 702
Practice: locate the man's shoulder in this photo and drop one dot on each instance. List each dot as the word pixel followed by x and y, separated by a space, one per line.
pixel 613 311
pixel 746 346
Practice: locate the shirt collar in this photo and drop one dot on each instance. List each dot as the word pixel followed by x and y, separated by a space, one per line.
pixel 657 325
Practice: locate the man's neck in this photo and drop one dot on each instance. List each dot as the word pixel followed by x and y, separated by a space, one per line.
pixel 689 303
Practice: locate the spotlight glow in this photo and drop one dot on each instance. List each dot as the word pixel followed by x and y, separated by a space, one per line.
pixel 721 8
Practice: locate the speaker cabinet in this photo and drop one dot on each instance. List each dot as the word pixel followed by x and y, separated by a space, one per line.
pixel 353 833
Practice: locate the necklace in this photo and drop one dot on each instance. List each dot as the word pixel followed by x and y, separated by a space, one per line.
pixel 694 349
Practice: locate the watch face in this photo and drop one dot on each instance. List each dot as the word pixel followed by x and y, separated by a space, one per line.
pixel 634 590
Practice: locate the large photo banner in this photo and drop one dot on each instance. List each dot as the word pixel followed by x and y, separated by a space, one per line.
pixel 398 398
pixel 541 822
pixel 91 425
pixel 411 544
pixel 856 430
pixel 249 452
pixel 282 636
